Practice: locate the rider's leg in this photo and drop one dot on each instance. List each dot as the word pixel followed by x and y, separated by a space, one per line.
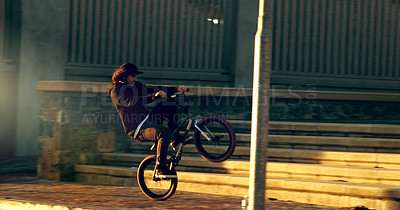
pixel 158 134
pixel 167 108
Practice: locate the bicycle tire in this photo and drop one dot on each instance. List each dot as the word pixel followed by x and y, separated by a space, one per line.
pixel 205 150
pixel 171 184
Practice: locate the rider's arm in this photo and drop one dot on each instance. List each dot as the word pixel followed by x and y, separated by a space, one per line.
pixel 167 89
pixel 127 100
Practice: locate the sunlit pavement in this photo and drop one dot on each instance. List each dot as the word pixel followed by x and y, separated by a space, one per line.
pixel 40 191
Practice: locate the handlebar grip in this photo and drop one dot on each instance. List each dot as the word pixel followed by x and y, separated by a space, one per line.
pixel 187 90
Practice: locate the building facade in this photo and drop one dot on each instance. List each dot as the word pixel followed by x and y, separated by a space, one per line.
pixel 350 45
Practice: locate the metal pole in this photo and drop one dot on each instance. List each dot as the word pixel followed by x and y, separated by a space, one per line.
pixel 260 109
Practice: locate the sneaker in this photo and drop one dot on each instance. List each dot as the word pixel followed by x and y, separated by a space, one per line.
pixel 163 172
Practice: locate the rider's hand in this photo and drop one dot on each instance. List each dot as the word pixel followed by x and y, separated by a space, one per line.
pixel 182 88
pixel 161 93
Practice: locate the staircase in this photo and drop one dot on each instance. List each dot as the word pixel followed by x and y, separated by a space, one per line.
pixel 331 164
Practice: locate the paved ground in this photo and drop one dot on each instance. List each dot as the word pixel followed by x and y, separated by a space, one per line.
pixel 30 188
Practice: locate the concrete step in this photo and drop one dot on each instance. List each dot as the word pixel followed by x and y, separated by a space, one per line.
pixel 329 143
pixel 356 159
pixel 278 169
pixel 348 174
pixel 332 129
pixel 329 193
pixel 241 152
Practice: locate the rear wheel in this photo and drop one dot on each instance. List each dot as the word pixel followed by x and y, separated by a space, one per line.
pixel 222 139
pixel 156 189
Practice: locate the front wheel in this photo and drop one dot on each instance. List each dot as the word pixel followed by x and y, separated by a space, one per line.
pixel 155 189
pixel 217 141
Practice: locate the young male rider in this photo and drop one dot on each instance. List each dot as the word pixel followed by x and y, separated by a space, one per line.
pixel 129 97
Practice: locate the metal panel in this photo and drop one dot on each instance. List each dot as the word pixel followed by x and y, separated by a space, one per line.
pixel 340 38
pixel 9 30
pixel 155 34
pixel 2 26
pixel 329 38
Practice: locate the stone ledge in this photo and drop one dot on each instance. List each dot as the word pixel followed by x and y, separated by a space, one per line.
pixel 100 87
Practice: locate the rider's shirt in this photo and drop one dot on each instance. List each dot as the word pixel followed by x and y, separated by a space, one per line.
pixel 130 100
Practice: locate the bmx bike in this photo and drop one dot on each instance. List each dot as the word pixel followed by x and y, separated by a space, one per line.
pixel 214 139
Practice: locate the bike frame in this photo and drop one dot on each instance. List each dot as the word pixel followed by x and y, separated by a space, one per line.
pixel 174 160
pixel 189 117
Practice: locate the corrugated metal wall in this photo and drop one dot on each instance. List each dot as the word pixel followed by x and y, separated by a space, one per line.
pixel 9 30
pixel 3 20
pixel 340 38
pixel 325 38
pixel 155 34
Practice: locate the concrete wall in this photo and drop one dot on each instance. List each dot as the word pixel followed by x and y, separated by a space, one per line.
pixel 43 35
pixel 8 100
pixel 246 30
pixel 9 76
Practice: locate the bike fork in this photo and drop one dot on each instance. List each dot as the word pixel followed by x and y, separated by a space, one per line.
pixel 204 134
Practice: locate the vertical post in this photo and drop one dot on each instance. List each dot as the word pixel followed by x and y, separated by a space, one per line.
pixel 260 109
pixel 43 35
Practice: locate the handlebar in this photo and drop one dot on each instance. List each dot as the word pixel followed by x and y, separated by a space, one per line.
pixel 185 98
pixel 181 93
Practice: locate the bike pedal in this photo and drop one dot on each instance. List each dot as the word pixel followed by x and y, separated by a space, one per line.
pixel 174 148
pixel 166 176
pixel 152 147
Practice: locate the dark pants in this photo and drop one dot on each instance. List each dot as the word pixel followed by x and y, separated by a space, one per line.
pixel 152 129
